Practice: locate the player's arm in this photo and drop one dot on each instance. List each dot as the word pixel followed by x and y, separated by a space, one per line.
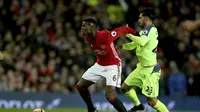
pixel 116 33
pixel 141 40
pixel 145 36
pixel 129 46
pixel 190 25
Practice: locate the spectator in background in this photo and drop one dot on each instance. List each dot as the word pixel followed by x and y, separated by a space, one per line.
pixel 1 56
pixel 163 87
pixel 34 32
pixel 192 70
pixel 176 81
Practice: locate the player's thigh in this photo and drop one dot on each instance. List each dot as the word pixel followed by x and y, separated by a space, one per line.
pixel 151 83
pixel 125 88
pixel 134 79
pixel 112 74
pixel 84 83
pixel 110 92
pixel 93 74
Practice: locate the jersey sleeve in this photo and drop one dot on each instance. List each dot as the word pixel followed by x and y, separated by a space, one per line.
pixel 129 46
pixel 146 35
pixel 116 33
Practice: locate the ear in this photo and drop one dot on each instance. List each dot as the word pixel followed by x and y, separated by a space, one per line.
pixel 93 26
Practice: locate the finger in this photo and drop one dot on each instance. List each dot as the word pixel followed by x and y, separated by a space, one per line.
pixel 127 35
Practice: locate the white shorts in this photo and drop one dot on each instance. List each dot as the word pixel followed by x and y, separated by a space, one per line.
pixel 111 73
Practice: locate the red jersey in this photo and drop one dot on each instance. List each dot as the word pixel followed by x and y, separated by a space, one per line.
pixel 103 45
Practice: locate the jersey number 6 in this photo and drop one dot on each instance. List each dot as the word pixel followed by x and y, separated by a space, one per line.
pixel 114 78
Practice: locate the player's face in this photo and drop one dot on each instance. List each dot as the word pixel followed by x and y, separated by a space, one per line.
pixel 87 28
pixel 141 21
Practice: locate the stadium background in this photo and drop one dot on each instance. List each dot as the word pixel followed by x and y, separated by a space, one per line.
pixel 44 51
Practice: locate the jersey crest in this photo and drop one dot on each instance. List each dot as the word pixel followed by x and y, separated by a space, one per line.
pixel 113 33
pixel 147 30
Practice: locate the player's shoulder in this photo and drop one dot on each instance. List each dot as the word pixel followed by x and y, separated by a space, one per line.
pixel 102 31
pixel 102 35
pixel 148 29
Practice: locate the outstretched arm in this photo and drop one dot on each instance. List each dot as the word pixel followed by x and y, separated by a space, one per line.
pixel 116 33
pixel 129 46
pixel 139 40
pixel 190 25
pixel 146 35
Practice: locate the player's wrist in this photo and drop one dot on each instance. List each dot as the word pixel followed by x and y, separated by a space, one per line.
pixel 124 47
pixel 128 46
pixel 130 36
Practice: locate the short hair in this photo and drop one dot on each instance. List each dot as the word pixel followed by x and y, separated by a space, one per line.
pixel 149 12
pixel 91 20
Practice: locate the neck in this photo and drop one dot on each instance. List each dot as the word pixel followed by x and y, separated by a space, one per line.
pixel 148 24
pixel 92 35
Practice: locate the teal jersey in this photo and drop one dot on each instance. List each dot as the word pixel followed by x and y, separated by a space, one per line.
pixel 145 45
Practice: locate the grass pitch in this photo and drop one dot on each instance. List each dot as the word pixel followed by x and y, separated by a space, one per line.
pixel 62 110
pixel 48 110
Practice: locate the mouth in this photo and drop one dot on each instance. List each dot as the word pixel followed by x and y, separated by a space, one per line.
pixel 82 30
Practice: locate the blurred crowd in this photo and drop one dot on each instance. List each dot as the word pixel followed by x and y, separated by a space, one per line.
pixel 44 51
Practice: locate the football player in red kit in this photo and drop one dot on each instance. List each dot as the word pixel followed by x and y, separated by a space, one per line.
pixel 108 64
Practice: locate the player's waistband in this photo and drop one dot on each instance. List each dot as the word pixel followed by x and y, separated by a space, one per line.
pixel 150 66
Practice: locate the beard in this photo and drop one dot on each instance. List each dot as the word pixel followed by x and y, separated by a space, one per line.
pixel 142 26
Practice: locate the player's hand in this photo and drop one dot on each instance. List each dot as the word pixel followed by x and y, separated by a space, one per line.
pixel 129 35
pixel 1 56
pixel 190 25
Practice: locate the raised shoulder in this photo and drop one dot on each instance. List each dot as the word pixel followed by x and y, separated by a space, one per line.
pixel 147 30
pixel 154 32
pixel 102 36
